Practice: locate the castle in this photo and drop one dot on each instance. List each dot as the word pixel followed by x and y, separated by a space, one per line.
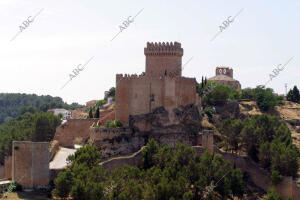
pixel 162 84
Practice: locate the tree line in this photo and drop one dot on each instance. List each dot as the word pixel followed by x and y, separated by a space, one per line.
pixel 264 138
pixel 14 104
pixel 165 173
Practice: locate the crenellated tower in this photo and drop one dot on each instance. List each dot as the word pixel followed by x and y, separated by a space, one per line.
pixel 163 59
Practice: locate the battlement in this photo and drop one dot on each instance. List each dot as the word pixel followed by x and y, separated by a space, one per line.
pixel 158 49
pixel 223 70
pixel 120 77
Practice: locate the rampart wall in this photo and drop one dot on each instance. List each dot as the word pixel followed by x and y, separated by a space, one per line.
pixel 30 164
pixel 66 133
pixel 2 171
pixel 8 167
pixel 137 95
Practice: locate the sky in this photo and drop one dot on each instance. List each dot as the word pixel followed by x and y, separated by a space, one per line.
pixel 65 34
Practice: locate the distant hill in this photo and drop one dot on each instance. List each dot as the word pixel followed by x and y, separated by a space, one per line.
pixel 13 104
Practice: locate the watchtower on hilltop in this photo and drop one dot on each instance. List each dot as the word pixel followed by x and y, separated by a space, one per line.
pixel 163 59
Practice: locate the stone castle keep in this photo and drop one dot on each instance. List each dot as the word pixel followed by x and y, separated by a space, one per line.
pixel 162 85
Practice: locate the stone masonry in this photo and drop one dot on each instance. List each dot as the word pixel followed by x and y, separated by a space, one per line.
pixel 30 164
pixel 162 85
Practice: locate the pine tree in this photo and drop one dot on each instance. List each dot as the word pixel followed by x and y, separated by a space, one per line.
pixel 97 113
pixel 202 82
pixel 91 113
pixel 296 94
pixel 205 82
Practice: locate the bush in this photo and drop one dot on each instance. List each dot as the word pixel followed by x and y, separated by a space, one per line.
pixel 276 177
pixel 209 111
pixel 113 124
pixel 273 195
pixel 248 94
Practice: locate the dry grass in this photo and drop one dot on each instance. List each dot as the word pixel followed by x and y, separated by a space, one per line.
pixel 26 196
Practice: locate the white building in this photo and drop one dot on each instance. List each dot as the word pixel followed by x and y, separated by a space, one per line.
pixel 65 113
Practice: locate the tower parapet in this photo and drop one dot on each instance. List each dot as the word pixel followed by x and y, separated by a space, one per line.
pixel 157 49
pixel 163 59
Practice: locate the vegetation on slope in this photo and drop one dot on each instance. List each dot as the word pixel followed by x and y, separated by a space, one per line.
pixel 166 173
pixel 215 94
pixel 38 127
pixel 266 140
pixel 12 105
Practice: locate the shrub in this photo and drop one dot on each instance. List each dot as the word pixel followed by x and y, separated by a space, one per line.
pixel 113 124
pixel 273 195
pixel 276 177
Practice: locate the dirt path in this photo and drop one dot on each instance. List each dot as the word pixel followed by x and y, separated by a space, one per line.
pixel 123 157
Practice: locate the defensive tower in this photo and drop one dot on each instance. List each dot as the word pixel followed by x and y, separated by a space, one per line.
pixel 163 59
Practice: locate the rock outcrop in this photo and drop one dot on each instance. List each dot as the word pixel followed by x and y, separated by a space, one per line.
pixel 180 125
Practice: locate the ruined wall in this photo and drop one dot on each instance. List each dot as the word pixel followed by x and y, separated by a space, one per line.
pixel 30 164
pixel 207 140
pixel 8 167
pixel 115 141
pixel 133 94
pixel 66 133
pixel 163 58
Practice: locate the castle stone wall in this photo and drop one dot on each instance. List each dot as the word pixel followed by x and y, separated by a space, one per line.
pixel 133 94
pixel 2 171
pixel 66 133
pixel 163 59
pixel 8 167
pixel 208 140
pixel 30 164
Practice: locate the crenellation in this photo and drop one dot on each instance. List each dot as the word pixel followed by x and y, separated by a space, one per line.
pixel 157 49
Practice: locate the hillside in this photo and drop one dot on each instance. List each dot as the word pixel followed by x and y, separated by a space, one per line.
pixel 11 104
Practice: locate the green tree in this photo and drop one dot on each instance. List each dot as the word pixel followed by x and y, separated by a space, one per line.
pixel 148 153
pixel 294 95
pixel 248 94
pixel 88 155
pixel 97 113
pixel 276 177
pixel 45 127
pixel 90 114
pixel 273 195
pixel 237 185
pixel 112 92
pixel 265 99
pixel 63 184
pixel 231 132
